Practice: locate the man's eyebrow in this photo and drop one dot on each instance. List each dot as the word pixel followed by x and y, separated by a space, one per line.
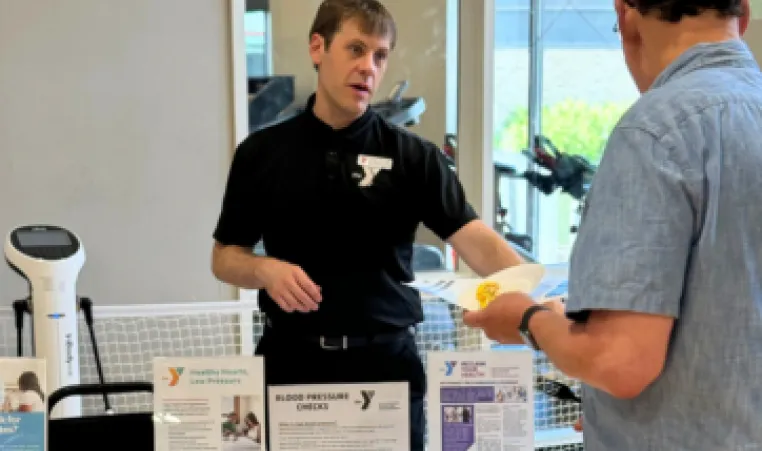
pixel 364 45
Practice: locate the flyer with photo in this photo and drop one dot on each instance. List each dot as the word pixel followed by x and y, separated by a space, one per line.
pixel 23 406
pixel 481 400
pixel 209 403
pixel 340 417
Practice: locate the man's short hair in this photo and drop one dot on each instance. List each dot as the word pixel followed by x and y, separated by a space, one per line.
pixel 676 10
pixel 372 17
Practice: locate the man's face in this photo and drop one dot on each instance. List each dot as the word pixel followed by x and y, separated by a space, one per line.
pixel 351 68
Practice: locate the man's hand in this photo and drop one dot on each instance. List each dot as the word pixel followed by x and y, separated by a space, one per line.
pixel 578 425
pixel 289 286
pixel 500 320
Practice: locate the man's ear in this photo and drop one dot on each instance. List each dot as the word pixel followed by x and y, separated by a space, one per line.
pixel 317 48
pixel 743 21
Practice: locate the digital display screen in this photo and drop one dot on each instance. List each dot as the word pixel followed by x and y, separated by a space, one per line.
pixel 43 238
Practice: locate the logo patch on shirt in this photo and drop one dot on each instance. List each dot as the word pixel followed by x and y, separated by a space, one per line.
pixel 371 166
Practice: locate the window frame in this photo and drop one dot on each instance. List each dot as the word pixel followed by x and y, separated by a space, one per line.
pixel 476 98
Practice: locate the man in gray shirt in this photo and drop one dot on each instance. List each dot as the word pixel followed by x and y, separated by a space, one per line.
pixel 663 322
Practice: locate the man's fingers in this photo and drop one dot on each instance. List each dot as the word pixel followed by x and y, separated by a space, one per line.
pixel 306 303
pixel 285 301
pixel 578 425
pixel 472 319
pixel 308 286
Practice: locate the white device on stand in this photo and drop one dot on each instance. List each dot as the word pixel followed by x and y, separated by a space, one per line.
pixel 50 259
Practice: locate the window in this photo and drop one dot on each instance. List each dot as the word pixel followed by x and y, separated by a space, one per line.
pixel 583 89
pixel 565 24
pixel 257 27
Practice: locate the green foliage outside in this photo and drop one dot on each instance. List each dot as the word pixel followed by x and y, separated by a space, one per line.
pixel 575 127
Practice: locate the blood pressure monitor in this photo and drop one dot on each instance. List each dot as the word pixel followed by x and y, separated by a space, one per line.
pixel 50 258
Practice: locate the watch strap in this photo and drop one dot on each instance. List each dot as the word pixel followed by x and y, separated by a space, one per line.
pixel 524 325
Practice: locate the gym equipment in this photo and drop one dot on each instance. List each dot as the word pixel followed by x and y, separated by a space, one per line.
pixel 401 111
pixel 50 258
pixel 521 242
pixel 573 174
pixel 550 386
pixel 268 98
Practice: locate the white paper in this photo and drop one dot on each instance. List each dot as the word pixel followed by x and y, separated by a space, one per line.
pixel 446 289
pixel 554 282
pixel 209 404
pixel 367 417
pixel 538 281
pixel 481 400
pixel 23 406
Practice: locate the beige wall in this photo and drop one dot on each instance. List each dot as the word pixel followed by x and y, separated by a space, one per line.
pixel 420 58
pixel 116 120
pixel 753 37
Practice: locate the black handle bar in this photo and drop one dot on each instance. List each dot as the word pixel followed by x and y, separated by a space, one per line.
pixel 97 389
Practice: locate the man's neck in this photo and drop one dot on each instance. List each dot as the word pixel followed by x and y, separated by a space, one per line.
pixel 663 43
pixel 330 114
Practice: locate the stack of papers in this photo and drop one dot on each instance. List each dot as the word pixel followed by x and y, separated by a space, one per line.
pixel 538 281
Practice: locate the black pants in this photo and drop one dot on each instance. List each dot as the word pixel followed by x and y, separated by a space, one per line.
pixel 293 360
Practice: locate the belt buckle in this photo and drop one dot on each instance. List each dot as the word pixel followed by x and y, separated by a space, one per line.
pixel 344 344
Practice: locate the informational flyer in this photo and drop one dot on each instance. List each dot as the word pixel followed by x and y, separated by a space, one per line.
pixel 23 406
pixel 209 404
pixel 367 417
pixel 541 282
pixel 481 400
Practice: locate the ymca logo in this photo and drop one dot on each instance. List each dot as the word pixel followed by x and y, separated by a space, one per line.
pixel 371 166
pixel 367 396
pixel 174 375
pixel 450 367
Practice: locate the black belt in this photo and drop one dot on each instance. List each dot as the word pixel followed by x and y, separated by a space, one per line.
pixel 344 342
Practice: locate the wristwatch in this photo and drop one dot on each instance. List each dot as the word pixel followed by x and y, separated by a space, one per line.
pixel 524 326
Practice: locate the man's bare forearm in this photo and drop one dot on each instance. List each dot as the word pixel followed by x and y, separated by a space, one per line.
pixel 575 353
pixel 238 266
pixel 565 344
pixel 483 249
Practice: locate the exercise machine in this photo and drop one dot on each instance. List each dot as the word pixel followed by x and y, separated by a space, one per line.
pixel 556 389
pixel 572 174
pixel 522 243
pixel 399 110
pixel 50 259
pixel 269 97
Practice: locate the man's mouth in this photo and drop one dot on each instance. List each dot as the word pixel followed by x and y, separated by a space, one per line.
pixel 360 88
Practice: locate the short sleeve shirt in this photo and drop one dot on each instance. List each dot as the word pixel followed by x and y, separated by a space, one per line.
pixel 344 205
pixel 672 226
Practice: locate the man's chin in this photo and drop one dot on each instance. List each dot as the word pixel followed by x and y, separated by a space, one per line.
pixel 357 108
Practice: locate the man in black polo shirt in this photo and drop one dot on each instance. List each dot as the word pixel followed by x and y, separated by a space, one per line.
pixel 337 194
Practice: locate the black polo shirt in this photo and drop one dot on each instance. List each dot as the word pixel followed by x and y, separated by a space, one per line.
pixel 304 188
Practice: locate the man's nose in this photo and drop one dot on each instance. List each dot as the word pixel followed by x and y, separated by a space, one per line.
pixel 368 64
